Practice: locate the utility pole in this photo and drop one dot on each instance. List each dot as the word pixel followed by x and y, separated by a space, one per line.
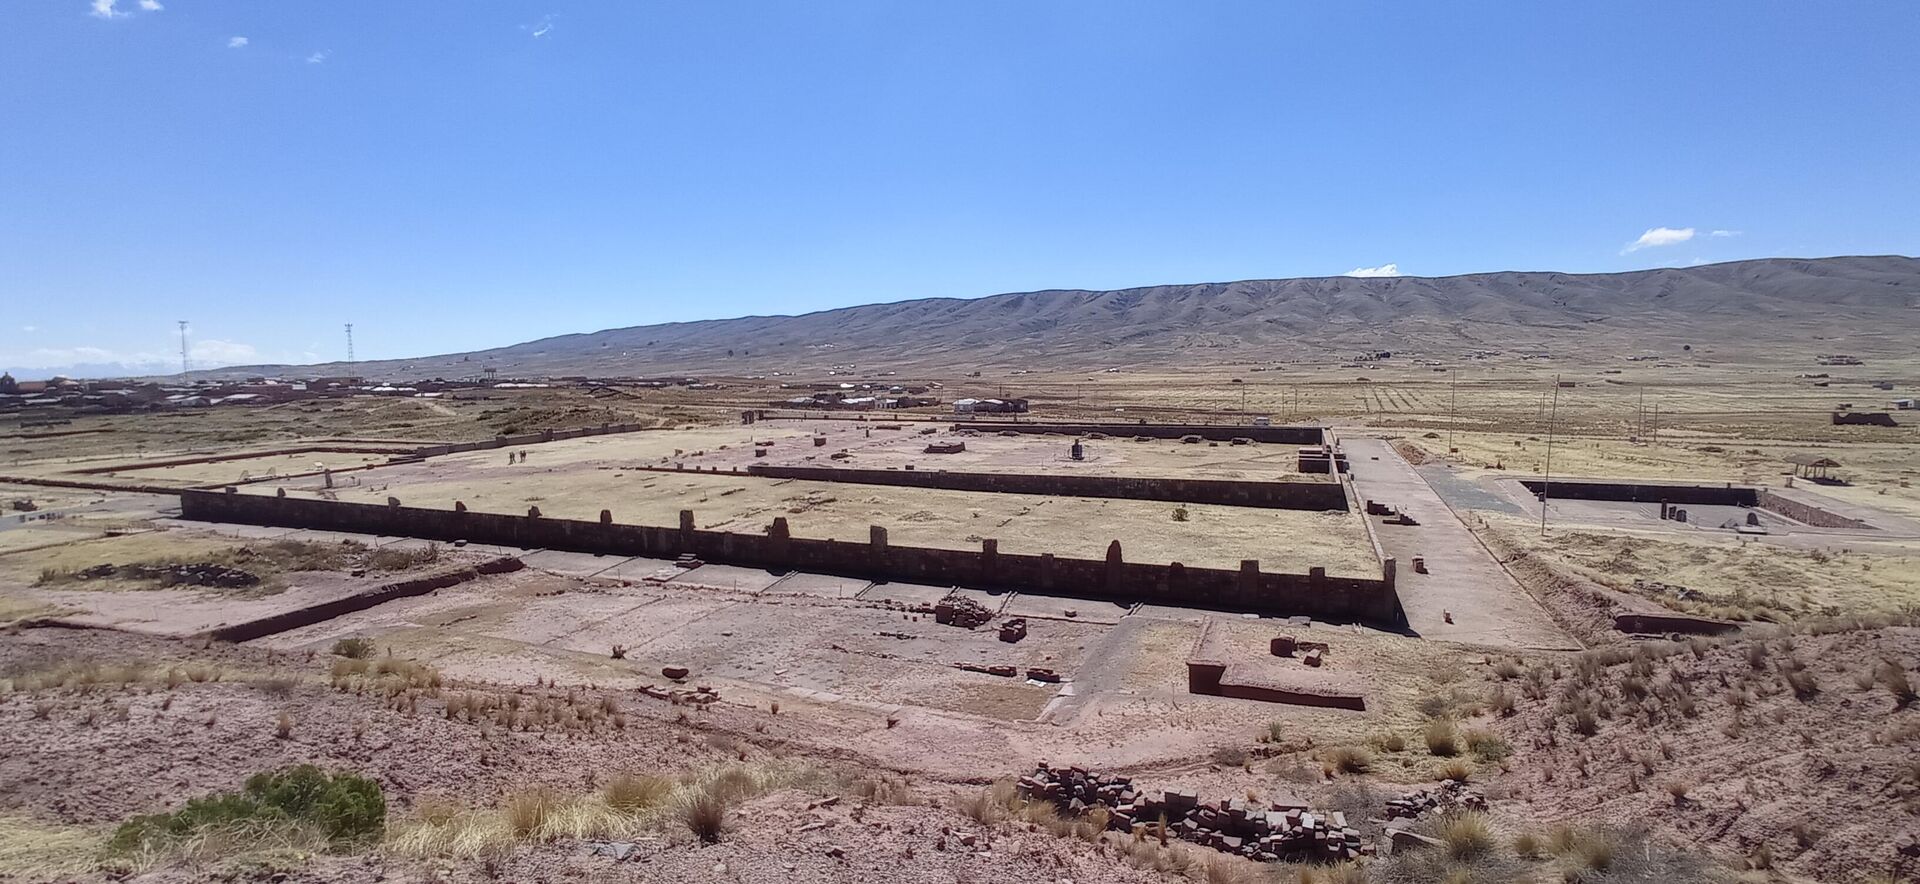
pixel 1546 482
pixel 183 349
pixel 349 349
pixel 1452 402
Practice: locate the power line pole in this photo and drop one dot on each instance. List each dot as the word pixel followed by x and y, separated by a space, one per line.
pixel 183 349
pixel 349 349
pixel 1452 402
pixel 1546 482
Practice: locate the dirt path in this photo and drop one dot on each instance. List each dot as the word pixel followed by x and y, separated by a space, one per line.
pixel 1486 605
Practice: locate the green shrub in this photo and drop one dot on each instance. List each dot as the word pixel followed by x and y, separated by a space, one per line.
pixel 345 806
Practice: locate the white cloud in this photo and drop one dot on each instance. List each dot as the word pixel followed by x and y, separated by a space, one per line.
pixel 1659 236
pixel 541 28
pixel 319 57
pixel 209 353
pixel 105 9
pixel 236 42
pixel 1382 270
pixel 1723 233
pixel 29 329
pixel 213 352
pixel 151 5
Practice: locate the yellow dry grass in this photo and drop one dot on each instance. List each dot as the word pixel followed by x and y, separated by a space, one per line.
pixel 1736 577
pixel 540 814
pixel 33 850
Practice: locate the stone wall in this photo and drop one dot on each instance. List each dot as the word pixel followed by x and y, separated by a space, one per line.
pixel 1310 495
pixel 1728 494
pixel 1211 432
pixel 524 439
pixel 1247 589
pixel 1806 514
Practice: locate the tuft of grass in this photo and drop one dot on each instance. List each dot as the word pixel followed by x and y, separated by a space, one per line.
pixel 636 792
pixel 705 815
pixel 1349 759
pixel 1456 769
pixel 992 804
pixel 1442 737
pixel 283 726
pixel 1487 745
pixel 1895 678
pixel 1527 845
pixel 353 648
pixel 1467 834
pixel 528 810
pixel 1802 682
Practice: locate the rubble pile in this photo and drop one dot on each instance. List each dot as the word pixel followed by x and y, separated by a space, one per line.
pixel 1675 590
pixel 1448 796
pixel 181 574
pixel 1264 833
pixel 958 610
pixel 701 695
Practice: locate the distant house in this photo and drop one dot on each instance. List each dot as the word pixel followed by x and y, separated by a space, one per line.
pixel 1863 418
pixel 1903 404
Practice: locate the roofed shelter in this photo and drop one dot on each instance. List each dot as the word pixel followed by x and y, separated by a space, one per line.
pixel 1812 466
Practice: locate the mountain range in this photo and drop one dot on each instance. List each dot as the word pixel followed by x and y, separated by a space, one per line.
pixel 1742 311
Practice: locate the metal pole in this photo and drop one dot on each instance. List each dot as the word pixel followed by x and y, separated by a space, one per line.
pixel 1452 402
pixel 183 349
pixel 1546 481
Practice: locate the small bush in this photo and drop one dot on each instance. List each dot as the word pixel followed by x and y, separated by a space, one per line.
pixel 345 806
pixel 1802 682
pixel 1527 845
pixel 353 648
pixel 1585 724
pixel 1487 745
pixel 1442 738
pixel 1895 678
pixel 706 816
pixel 1393 742
pixel 1456 769
pixel 1180 514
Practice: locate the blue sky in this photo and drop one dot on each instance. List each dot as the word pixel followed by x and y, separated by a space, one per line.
pixel 450 176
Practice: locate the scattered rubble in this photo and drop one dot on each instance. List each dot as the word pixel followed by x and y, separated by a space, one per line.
pixel 1280 830
pixel 182 574
pixel 1448 796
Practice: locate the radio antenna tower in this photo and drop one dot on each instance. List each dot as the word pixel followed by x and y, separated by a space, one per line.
pixel 183 347
pixel 349 349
